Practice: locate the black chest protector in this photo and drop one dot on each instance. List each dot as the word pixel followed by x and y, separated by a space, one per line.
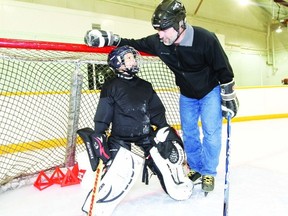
pixel 129 105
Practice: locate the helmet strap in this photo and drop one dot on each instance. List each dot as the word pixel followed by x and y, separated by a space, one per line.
pixel 183 26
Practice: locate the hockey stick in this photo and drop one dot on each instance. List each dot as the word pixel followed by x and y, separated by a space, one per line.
pixel 227 169
pixel 96 186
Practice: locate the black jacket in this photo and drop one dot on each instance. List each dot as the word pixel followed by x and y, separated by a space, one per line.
pixel 132 106
pixel 198 66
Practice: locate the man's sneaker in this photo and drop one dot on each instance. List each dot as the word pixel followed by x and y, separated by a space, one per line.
pixel 193 175
pixel 207 183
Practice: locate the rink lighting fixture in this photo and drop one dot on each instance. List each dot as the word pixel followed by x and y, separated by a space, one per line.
pixel 244 2
pixel 279 29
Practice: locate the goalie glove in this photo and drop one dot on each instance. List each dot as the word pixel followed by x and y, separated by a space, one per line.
pixel 100 38
pixel 96 146
pixel 169 145
pixel 230 103
pixel 168 157
pixel 100 146
pixel 85 133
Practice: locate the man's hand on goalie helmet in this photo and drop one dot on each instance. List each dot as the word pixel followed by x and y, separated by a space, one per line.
pixel 100 38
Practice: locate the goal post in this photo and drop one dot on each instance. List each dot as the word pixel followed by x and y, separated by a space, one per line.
pixel 48 90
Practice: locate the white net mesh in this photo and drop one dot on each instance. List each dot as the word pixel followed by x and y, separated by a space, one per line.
pixel 46 95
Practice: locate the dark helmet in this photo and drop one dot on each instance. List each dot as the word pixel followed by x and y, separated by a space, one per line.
pixel 168 14
pixel 116 59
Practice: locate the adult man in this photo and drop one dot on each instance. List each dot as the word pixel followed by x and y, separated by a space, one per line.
pixel 203 74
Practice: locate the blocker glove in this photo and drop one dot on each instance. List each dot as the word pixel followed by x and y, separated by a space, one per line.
pixel 230 103
pixel 96 146
pixel 100 146
pixel 100 38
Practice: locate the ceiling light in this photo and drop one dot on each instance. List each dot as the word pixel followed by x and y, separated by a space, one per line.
pixel 279 29
pixel 244 2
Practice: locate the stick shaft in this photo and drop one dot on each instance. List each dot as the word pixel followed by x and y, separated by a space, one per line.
pixel 96 186
pixel 227 168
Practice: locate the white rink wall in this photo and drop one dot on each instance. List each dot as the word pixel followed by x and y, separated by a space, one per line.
pixel 267 101
pixel 21 20
pixel 255 103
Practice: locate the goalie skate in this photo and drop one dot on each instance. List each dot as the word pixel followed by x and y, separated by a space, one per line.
pixel 117 181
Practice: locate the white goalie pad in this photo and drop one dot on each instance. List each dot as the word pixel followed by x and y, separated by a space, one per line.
pixel 116 183
pixel 178 185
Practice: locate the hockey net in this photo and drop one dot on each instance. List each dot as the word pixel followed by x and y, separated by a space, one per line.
pixel 48 90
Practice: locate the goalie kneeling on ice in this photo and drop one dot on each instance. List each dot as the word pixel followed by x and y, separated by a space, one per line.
pixel 168 155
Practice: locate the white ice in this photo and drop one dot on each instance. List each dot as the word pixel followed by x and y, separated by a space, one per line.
pixel 258 183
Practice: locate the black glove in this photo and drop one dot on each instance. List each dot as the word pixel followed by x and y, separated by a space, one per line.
pixel 95 147
pixel 85 133
pixel 230 103
pixel 100 38
pixel 165 140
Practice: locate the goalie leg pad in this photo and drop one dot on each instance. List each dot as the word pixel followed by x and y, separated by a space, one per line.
pixel 178 185
pixel 117 181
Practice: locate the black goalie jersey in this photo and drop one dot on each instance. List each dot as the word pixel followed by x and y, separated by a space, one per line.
pixel 132 106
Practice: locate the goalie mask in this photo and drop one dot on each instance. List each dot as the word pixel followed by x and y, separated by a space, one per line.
pixel 169 13
pixel 124 59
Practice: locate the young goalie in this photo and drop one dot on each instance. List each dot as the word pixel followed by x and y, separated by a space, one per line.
pixel 130 108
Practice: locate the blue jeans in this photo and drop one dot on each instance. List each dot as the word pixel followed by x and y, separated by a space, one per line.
pixel 202 152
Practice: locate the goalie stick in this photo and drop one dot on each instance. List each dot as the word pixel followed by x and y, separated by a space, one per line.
pixel 227 169
pixel 95 189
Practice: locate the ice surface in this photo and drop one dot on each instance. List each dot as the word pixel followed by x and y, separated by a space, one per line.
pixel 258 183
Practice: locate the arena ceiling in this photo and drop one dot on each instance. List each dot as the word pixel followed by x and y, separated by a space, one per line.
pixel 233 12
